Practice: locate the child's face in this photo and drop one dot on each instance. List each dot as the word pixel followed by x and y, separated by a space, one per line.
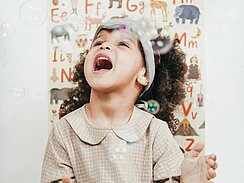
pixel 114 62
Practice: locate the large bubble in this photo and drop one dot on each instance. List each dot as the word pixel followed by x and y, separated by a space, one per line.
pixel 33 13
pixel 17 92
pixel 6 30
pixel 3 59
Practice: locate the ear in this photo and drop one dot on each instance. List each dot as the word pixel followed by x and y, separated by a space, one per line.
pixel 142 78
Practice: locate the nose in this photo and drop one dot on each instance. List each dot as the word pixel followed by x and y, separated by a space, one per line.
pixel 105 46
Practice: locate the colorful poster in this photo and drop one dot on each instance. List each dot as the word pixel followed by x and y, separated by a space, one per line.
pixel 72 24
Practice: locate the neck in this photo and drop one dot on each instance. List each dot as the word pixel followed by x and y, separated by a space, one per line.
pixel 106 109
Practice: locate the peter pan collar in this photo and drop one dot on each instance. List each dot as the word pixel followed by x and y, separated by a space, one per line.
pixel 89 133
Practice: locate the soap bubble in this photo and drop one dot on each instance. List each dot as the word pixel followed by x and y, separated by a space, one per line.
pixel 162 45
pixel 17 92
pixel 3 59
pixel 6 30
pixel 32 13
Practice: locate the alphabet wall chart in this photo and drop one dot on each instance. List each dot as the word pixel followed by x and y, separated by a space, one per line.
pixel 71 27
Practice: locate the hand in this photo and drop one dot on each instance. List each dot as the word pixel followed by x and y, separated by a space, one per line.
pixel 66 179
pixel 198 169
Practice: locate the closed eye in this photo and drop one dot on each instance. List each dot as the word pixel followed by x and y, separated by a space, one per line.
pixel 97 43
pixel 122 43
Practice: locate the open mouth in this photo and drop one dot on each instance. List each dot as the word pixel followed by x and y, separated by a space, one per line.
pixel 102 61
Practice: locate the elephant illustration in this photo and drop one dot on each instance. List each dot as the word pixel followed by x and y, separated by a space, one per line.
pixel 59 94
pixel 62 30
pixel 188 12
pixel 111 3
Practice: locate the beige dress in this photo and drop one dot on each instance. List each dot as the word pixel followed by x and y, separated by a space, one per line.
pixel 141 151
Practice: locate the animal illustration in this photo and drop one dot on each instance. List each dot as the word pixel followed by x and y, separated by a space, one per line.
pixel 189 12
pixel 59 94
pixel 112 1
pixel 62 30
pixel 74 6
pixel 92 21
pixel 157 4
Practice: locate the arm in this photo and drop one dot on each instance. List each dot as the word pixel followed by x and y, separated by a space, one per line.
pixel 167 156
pixel 56 162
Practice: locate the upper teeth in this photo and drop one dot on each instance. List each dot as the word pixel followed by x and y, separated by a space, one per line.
pixel 102 58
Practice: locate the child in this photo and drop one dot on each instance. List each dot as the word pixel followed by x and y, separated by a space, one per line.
pixel 106 138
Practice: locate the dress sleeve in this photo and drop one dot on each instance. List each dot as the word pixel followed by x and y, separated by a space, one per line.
pixel 167 156
pixel 56 162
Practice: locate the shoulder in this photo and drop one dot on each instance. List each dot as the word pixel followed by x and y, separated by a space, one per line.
pixel 159 127
pixel 150 124
pixel 74 115
pixel 159 124
pixel 68 122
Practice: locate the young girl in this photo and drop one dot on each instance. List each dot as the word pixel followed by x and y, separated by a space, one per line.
pixel 106 138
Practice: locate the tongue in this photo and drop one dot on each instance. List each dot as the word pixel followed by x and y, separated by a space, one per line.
pixel 104 64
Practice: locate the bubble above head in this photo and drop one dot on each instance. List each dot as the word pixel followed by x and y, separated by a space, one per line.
pixel 33 13
pixel 162 45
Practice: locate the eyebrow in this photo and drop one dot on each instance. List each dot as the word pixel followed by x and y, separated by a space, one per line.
pixel 98 37
pixel 124 37
pixel 130 40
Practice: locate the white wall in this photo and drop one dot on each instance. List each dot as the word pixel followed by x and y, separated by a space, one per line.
pixel 23 120
pixel 225 72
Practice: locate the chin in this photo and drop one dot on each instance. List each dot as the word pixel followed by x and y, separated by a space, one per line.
pixel 100 87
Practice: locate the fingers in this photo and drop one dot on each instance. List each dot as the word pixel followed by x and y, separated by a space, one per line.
pixel 213 156
pixel 197 149
pixel 212 166
pixel 211 161
pixel 66 179
pixel 211 174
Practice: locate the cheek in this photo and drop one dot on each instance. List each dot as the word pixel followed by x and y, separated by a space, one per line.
pixel 138 60
pixel 87 67
pixel 88 61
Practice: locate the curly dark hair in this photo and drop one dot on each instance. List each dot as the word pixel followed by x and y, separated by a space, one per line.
pixel 167 87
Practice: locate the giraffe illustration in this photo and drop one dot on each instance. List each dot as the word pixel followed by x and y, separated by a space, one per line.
pixel 159 4
pixel 74 6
